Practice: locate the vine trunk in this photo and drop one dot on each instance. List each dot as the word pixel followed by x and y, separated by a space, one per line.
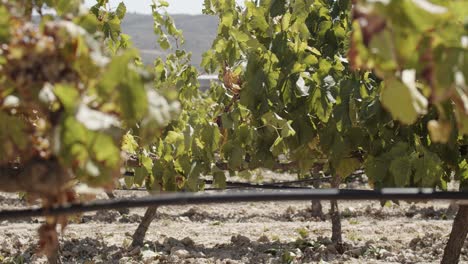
pixel 140 233
pixel 457 237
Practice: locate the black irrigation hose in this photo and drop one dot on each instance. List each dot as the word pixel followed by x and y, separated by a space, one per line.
pixel 282 185
pixel 242 185
pixel 309 180
pixel 278 185
pixel 265 185
pixel 236 186
pixel 244 196
pixel 272 186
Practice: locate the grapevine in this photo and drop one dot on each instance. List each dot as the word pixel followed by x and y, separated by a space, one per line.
pixel 421 52
pixel 62 120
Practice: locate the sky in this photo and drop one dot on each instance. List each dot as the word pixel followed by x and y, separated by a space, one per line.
pixel 143 6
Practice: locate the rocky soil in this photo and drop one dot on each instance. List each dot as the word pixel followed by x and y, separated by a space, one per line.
pixel 273 232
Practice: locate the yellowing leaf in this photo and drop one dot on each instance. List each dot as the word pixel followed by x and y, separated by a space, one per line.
pixel 347 166
pixel 403 102
pixel 439 130
pixel 129 144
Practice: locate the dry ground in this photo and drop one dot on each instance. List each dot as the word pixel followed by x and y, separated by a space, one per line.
pixel 273 232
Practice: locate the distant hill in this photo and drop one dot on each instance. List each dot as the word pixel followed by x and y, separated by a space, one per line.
pixel 199 32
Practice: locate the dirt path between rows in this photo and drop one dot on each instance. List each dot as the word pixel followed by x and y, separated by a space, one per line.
pixel 273 232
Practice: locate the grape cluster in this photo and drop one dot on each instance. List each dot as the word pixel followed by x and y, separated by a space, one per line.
pixel 33 59
pixel 35 56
